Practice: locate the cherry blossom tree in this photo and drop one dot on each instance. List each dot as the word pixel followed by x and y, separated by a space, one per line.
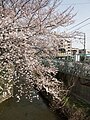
pixel 27 39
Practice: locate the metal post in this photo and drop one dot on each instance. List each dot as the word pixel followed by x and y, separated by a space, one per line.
pixel 84 46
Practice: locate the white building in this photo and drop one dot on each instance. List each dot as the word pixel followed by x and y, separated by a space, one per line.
pixel 65 44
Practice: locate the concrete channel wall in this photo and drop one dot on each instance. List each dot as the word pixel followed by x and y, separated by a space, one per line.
pixel 81 88
pixel 82 91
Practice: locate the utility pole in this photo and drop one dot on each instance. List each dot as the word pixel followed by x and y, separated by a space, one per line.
pixel 82 36
pixel 84 46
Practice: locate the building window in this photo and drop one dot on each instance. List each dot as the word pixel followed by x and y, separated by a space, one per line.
pixel 62 50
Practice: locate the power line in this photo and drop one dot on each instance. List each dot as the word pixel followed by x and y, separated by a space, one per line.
pixel 77 3
pixel 79 23
pixel 82 26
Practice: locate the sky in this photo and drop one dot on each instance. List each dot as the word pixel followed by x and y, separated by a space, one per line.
pixel 82 8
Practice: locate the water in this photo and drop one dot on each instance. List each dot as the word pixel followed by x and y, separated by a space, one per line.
pixel 24 110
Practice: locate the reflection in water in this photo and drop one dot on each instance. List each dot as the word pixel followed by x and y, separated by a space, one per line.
pixel 24 110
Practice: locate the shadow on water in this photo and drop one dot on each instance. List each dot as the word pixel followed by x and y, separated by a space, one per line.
pixel 24 110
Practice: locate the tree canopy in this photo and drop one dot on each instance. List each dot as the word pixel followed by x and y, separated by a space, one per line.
pixel 27 38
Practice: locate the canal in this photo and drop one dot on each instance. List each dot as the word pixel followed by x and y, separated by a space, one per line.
pixel 26 110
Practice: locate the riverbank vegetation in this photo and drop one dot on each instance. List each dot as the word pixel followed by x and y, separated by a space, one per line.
pixel 77 109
